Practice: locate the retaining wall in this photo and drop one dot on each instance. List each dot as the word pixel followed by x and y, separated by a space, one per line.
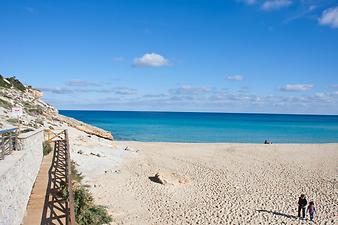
pixel 18 176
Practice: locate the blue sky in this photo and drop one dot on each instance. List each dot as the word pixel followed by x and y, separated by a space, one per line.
pixel 275 56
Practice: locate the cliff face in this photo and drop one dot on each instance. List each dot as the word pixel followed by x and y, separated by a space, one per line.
pixel 36 112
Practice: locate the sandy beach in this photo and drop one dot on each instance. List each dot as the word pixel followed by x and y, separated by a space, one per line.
pixel 208 183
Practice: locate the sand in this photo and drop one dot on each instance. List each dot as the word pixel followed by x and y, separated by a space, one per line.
pixel 208 183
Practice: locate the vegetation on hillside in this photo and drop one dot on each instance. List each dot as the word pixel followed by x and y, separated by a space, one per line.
pixel 86 211
pixel 5 104
pixel 47 148
pixel 13 121
pixel 12 82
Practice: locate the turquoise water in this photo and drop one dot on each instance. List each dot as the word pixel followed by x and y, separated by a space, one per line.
pixel 212 127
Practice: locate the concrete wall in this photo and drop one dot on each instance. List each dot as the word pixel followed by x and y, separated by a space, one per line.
pixel 18 177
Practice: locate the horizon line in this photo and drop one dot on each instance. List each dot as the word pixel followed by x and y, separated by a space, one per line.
pixel 210 112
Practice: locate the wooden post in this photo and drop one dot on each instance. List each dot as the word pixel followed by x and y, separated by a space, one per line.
pixel 2 151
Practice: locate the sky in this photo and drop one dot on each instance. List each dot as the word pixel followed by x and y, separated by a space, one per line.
pixel 257 56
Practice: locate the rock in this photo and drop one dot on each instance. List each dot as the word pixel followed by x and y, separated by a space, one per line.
pixel 80 152
pixel 130 149
pixel 158 179
pixel 91 130
pixel 36 93
pixel 166 178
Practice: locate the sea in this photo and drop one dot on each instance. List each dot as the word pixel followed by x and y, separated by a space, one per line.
pixel 195 127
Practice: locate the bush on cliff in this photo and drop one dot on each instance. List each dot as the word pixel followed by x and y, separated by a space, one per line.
pixel 3 83
pixel 13 83
pixel 5 104
pixel 16 83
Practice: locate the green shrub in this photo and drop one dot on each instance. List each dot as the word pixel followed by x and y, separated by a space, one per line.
pixel 3 83
pixel 13 83
pixel 76 175
pixel 39 121
pixel 13 121
pixel 35 111
pixel 47 148
pixel 86 212
pixel 16 83
pixel 27 130
pixel 5 104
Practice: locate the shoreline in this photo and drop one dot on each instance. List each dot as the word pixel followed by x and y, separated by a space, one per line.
pixel 224 143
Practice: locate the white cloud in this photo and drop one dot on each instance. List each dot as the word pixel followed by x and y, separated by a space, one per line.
pixel 236 78
pixel 125 91
pixel 275 4
pixel 81 83
pixel 189 90
pixel 330 17
pixel 297 87
pixel 57 90
pixel 196 98
pixel 151 60
pixel 76 89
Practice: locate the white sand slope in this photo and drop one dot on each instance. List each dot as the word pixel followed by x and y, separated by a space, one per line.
pixel 212 183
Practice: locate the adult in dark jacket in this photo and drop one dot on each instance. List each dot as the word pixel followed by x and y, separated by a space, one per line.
pixel 302 202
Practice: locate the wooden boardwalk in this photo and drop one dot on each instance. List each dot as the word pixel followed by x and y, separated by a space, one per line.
pixel 51 201
pixel 37 199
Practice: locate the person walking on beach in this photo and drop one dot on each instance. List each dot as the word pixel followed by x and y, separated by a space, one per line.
pixel 302 202
pixel 311 209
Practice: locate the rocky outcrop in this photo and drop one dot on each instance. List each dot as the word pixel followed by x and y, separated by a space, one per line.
pixel 37 94
pixel 36 112
pixel 84 127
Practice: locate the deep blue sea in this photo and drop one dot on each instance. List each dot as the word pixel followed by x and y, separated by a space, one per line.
pixel 212 127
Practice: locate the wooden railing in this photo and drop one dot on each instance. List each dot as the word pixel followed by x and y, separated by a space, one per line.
pixel 59 206
pixel 8 142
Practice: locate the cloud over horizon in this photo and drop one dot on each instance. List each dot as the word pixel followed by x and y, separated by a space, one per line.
pixel 77 90
pixel 236 78
pixel 297 87
pixel 196 98
pixel 151 60
pixel 81 83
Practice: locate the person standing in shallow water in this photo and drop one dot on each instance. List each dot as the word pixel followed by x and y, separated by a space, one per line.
pixel 302 202
pixel 311 209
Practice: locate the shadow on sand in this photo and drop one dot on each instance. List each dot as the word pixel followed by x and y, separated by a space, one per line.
pixel 155 179
pixel 278 213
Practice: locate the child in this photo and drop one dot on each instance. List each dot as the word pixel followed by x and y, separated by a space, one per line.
pixel 311 209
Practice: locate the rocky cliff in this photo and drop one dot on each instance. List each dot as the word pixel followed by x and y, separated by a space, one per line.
pixel 36 112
